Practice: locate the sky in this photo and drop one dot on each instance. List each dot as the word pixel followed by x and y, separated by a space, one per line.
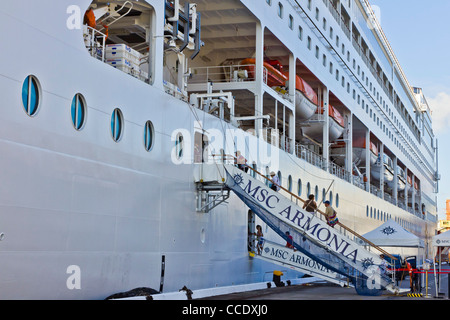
pixel 419 33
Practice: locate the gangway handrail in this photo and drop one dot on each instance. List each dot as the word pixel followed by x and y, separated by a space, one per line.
pixel 339 223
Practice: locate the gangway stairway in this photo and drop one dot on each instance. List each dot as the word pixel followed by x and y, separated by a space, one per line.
pixel 341 256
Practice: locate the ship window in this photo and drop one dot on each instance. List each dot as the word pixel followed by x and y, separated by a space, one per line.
pixel 316 192
pixel 31 95
pixel 330 198
pixel 291 22
pixel 309 43
pixel 300 33
pixel 337 200
pixel 179 146
pixel 269 2
pixel 323 195
pixel 116 124
pixel 290 183
pixel 367 211
pixel 149 134
pixel 78 111
pixel 280 10
pixel 299 187
pixel 308 189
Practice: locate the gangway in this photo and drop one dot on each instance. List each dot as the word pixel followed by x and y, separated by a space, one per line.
pixel 344 253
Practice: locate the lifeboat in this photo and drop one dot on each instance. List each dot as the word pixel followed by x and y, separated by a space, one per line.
pixel 306 101
pixel 315 128
pixel 387 169
pixel 409 185
pixel 401 180
pixel 337 152
pixel 275 76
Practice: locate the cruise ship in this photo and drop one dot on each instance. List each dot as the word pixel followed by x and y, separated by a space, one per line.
pixel 114 109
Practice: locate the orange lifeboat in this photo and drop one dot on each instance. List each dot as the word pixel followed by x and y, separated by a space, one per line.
pixel 306 100
pixel 275 77
pixel 337 151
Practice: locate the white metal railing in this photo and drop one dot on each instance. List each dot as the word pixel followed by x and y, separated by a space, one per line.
pixel 91 40
pixel 225 73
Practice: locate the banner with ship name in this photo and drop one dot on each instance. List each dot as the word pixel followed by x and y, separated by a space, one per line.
pixel 298 261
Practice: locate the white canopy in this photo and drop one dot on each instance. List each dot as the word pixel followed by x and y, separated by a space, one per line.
pixel 442 240
pixel 391 234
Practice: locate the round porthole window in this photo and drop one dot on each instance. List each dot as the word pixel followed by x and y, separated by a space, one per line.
pixel 31 95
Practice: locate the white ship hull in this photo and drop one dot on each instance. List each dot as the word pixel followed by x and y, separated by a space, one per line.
pixel 83 216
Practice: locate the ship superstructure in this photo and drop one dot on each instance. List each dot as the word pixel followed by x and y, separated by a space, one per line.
pixel 105 125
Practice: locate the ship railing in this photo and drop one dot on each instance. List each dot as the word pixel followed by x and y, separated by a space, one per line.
pixel 340 172
pixel 345 28
pixel 344 230
pixel 375 191
pixel 334 11
pixel 95 42
pixel 224 73
pixel 309 156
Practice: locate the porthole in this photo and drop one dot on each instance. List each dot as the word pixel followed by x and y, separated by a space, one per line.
pixel 316 192
pixel 330 197
pixel 117 124
pixel 179 146
pixel 323 195
pixel 149 134
pixel 290 183
pixel 31 95
pixel 299 187
pixel 337 200
pixel 78 111
pixel 308 189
